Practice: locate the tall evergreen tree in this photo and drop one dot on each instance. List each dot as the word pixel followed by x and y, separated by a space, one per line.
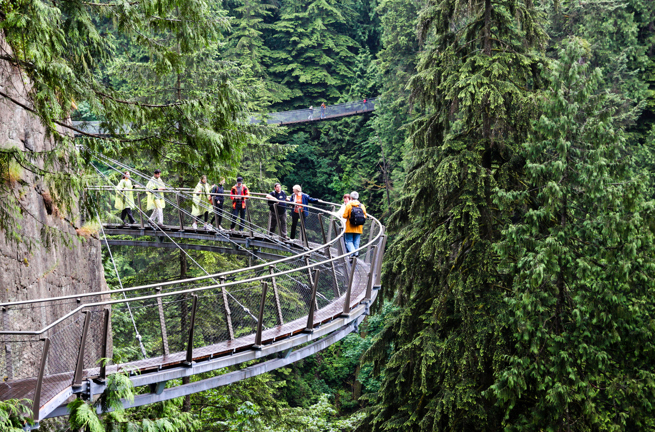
pixel 314 52
pixel 581 306
pixel 473 79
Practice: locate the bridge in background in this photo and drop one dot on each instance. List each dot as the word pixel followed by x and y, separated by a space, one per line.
pixel 291 299
pixel 331 112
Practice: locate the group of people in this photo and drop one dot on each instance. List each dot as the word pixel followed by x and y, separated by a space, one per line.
pixel 352 212
pixel 323 107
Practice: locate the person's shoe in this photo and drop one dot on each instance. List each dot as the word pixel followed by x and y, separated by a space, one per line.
pixel 221 228
pixel 208 227
pixel 194 225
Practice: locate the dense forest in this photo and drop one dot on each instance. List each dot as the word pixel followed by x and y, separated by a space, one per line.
pixel 510 154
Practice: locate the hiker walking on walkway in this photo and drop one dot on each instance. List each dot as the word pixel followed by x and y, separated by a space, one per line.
pixel 339 213
pixel 156 201
pixel 323 110
pixel 218 201
pixel 277 216
pixel 299 198
pixel 238 196
pixel 125 198
pixel 355 215
pixel 201 201
pixel 311 113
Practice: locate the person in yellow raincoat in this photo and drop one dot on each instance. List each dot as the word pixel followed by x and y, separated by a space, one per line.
pixel 125 198
pixel 156 201
pixel 201 202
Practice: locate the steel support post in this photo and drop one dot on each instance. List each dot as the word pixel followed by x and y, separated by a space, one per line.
pixel 371 276
pixel 36 404
pixel 351 278
pixel 278 308
pixel 248 218
pixel 8 356
pixel 179 212
pixel 260 317
pixel 341 249
pixel 303 232
pixel 138 201
pixel 370 239
pixel 310 315
pixel 380 257
pixel 329 235
pixel 189 345
pixel 82 199
pixel 79 366
pixel 162 324
pixel 228 313
pixel 328 253
pixel 105 345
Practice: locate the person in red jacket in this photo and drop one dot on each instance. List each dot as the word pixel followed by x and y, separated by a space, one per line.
pixel 238 196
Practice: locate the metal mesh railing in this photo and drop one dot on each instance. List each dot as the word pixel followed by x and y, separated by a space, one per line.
pixel 187 319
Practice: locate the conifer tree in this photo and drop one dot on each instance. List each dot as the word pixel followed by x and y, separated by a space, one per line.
pixel 581 256
pixel 473 79
pixel 314 52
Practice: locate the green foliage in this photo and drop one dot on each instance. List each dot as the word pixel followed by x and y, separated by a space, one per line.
pixel 14 414
pixel 580 307
pixel 82 416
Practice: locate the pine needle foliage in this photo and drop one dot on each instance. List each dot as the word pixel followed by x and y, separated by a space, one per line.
pixel 14 414
pixel 475 82
pixel 581 306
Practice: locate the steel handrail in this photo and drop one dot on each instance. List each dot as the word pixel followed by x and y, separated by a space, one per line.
pixel 198 278
pixel 191 290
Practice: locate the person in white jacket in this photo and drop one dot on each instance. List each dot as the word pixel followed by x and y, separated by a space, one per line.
pixel 339 213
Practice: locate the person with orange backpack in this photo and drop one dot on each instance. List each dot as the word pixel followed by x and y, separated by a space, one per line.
pixel 355 216
pixel 238 196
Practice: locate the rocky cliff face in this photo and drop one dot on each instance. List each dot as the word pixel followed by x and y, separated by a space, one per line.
pixel 30 270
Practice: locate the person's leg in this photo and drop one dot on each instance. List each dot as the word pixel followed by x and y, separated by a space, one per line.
pixel 235 215
pixel 123 214
pixel 242 218
pixel 129 214
pixel 357 238
pixel 283 225
pixel 294 224
pixel 205 216
pixel 350 245
pixel 219 214
pixel 159 215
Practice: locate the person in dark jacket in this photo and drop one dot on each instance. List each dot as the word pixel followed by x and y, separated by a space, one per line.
pixel 238 195
pixel 278 211
pixel 299 198
pixel 218 201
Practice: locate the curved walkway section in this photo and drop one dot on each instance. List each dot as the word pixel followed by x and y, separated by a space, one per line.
pixel 289 293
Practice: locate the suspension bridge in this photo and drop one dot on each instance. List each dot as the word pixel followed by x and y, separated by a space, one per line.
pixel 281 118
pixel 290 299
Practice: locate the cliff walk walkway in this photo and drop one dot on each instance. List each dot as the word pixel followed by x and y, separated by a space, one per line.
pixel 288 300
pixel 282 118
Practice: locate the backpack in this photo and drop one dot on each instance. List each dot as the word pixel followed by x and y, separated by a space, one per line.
pixel 357 216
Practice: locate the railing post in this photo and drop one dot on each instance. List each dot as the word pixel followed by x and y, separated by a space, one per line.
pixel 310 315
pixel 370 239
pixel 189 346
pixel 36 404
pixel 138 200
pixel 346 300
pixel 228 313
pixel 341 250
pixel 328 252
pixel 162 324
pixel 278 308
pixel 371 276
pixel 105 345
pixel 380 257
pixel 79 366
pixel 305 242
pixel 179 212
pixel 248 218
pixel 7 347
pixel 260 317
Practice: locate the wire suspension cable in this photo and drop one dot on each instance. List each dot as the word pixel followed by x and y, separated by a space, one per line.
pixel 120 282
pixel 245 309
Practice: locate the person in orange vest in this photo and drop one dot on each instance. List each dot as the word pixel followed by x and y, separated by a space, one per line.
pixel 238 196
pixel 323 110
pixel 301 200
pixel 355 216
